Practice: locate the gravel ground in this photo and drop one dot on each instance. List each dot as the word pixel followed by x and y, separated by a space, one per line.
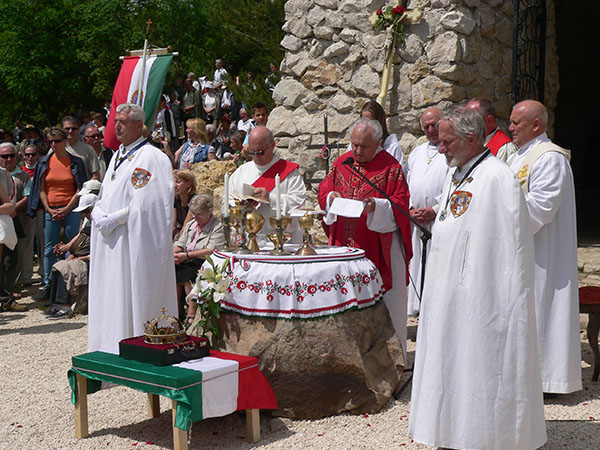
pixel 36 413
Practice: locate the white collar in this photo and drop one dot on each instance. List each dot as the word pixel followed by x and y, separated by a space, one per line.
pixel 532 143
pixel 267 166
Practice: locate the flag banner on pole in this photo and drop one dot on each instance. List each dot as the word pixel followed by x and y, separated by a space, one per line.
pixel 126 90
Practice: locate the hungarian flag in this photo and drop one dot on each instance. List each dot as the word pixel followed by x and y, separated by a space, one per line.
pixel 127 86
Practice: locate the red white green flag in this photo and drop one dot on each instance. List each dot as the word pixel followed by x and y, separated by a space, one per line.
pixel 127 86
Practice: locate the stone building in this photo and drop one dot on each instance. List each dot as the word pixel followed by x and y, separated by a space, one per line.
pixel 505 50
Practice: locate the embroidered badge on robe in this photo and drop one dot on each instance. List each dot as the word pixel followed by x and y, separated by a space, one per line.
pixel 140 178
pixel 459 202
pixel 523 173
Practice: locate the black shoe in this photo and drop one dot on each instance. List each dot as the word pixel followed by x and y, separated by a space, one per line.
pixel 44 295
pixel 61 313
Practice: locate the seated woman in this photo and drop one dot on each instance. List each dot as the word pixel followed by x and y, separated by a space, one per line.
pixel 198 239
pixel 185 189
pixel 69 277
pixel 197 148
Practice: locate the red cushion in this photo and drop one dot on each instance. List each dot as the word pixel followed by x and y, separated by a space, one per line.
pixel 589 295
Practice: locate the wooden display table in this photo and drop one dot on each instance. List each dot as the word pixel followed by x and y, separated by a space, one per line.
pixel 209 387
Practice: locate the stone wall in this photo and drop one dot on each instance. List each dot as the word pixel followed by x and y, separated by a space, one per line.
pixel 334 60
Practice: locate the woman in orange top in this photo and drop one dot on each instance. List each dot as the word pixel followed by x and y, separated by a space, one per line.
pixel 59 177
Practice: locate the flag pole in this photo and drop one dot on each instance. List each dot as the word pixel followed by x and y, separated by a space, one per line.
pixel 142 75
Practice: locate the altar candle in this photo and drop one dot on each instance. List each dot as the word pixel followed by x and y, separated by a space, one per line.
pixel 226 196
pixel 277 197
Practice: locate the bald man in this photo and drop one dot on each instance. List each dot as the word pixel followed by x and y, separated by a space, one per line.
pixel 545 175
pixel 497 140
pixel 260 173
pixel 425 172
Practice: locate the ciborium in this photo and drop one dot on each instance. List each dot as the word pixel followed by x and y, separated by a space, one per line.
pixel 306 222
pixel 279 225
pixel 254 223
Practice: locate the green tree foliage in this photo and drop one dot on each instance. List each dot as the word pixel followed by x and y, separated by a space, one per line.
pixel 63 56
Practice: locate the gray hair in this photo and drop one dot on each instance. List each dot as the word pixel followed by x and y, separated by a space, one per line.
pixel 373 125
pixel 70 119
pixel 8 145
pixel 136 112
pixel 211 128
pixel 466 121
pixel 201 202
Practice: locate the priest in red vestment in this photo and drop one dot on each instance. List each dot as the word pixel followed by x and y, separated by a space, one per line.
pixel 381 230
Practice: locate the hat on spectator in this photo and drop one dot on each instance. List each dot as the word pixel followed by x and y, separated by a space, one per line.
pixel 86 201
pixel 89 186
pixel 209 85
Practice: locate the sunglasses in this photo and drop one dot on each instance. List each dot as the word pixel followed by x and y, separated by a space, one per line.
pixel 71 128
pixel 8 156
pixel 94 136
pixel 29 155
pixel 55 141
pixel 259 153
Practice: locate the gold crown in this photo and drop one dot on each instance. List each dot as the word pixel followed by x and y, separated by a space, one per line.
pixel 164 329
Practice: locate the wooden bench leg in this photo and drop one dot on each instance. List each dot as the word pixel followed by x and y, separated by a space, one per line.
pixel 153 406
pixel 253 425
pixel 592 332
pixel 179 436
pixel 81 409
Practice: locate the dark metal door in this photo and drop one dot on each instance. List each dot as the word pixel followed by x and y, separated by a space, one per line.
pixel 529 50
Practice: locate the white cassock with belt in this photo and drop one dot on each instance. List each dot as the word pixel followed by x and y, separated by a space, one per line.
pixel 132 272
pixel 477 381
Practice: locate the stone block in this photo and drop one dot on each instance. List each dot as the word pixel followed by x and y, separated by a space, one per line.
pixel 420 69
pixel 331 4
pixel 307 123
pixel 316 48
pixel 431 90
pixel 289 92
pixel 298 27
pixel 335 50
pixel 325 366
pixel 316 15
pixel 348 35
pixel 298 63
pixel 366 81
pixel 412 48
pixel 486 17
pixel 291 43
pixel 280 122
pixel 444 48
pixel 323 32
pixel 470 49
pixel 504 31
pixel 297 8
pixel 460 20
pixel 341 103
pixel 322 75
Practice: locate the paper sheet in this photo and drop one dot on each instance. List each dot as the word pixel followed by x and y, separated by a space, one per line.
pixel 346 207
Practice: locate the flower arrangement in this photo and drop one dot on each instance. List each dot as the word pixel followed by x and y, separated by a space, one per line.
pixel 212 286
pixel 394 18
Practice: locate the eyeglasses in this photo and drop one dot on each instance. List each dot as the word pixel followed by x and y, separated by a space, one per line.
pixel 29 155
pixel 8 156
pixel 55 141
pixel 258 153
pixel 93 136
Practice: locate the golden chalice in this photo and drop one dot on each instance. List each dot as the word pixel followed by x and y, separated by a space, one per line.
pixel 237 219
pixel 279 226
pixel 254 223
pixel 306 222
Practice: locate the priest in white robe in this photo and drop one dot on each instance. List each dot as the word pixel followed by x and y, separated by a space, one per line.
pixel 132 272
pixel 425 171
pixel 545 175
pixel 260 174
pixel 477 382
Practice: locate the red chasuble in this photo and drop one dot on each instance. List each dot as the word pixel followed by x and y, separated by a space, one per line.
pixel 386 173
pixel 281 167
pixel 498 140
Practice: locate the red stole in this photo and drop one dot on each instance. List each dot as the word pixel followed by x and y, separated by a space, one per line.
pixel 386 173
pixel 281 167
pixel 498 140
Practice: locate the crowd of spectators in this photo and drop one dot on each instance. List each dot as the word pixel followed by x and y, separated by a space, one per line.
pixel 47 176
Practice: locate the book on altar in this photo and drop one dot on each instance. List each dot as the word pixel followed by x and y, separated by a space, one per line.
pixel 248 194
pixel 346 207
